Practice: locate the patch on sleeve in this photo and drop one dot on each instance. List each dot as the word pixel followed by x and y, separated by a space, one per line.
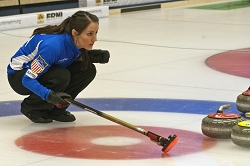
pixel 38 65
pixel 30 74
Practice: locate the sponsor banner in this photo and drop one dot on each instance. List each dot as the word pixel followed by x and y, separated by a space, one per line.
pixel 116 3
pixel 47 18
pixel 15 22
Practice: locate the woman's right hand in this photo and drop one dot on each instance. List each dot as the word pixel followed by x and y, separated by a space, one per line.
pixel 57 98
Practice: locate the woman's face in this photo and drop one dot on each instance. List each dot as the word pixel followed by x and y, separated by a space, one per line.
pixel 88 37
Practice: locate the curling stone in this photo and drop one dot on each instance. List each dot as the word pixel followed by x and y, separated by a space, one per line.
pixel 247 114
pixel 219 124
pixel 243 101
pixel 241 134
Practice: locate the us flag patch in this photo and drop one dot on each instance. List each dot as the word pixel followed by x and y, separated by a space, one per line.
pixel 38 65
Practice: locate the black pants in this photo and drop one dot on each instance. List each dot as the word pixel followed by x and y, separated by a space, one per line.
pixel 71 80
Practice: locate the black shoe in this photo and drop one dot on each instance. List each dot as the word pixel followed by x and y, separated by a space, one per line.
pixel 38 116
pixel 41 120
pixel 61 115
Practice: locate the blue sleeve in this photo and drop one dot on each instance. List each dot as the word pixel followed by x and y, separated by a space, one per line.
pixel 34 86
pixel 40 65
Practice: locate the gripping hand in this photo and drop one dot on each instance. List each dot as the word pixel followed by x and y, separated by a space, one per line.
pixel 57 98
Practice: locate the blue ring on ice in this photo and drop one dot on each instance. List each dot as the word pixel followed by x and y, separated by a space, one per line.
pixel 9 108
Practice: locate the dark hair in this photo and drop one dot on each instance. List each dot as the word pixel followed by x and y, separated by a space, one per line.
pixel 78 21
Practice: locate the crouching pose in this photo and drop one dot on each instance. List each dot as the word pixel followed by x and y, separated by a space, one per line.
pixel 56 63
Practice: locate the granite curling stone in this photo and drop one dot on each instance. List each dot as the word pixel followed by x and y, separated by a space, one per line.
pixel 243 101
pixel 241 134
pixel 219 124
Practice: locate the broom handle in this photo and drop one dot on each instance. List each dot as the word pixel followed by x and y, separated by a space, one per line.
pixel 166 143
pixel 107 116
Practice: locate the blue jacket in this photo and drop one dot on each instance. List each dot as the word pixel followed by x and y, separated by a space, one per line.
pixel 38 54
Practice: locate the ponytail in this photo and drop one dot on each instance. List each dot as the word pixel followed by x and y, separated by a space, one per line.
pixel 49 29
pixel 78 21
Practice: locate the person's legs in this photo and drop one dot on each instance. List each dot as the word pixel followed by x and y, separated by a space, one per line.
pixel 80 79
pixel 36 109
pixel 71 80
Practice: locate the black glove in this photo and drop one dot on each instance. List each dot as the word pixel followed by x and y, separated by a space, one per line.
pixel 57 98
pixel 99 56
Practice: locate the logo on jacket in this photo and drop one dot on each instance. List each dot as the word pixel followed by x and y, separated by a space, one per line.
pixel 38 65
pixel 62 60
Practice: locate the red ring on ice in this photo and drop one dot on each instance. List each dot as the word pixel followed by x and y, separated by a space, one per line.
pixel 75 142
pixel 234 62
